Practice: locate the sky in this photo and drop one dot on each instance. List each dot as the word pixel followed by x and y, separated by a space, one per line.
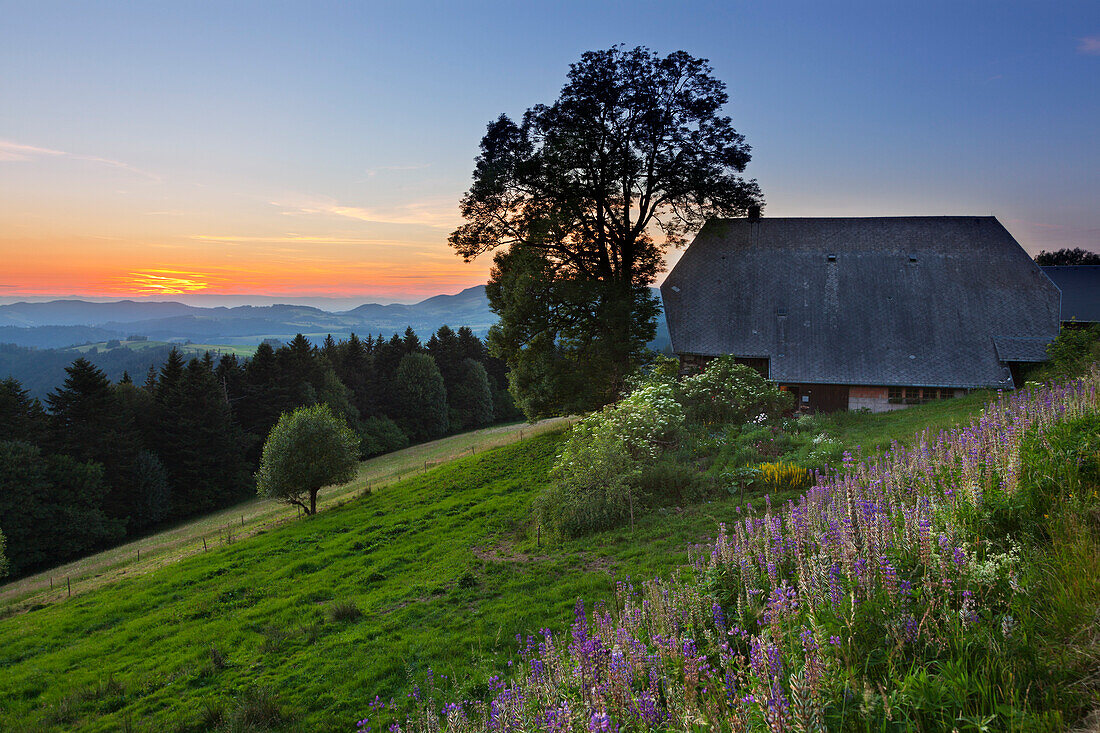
pixel 316 150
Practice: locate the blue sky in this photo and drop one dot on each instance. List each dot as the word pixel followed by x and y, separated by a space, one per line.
pixel 321 148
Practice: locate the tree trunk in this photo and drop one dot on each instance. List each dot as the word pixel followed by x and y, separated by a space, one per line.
pixel 313 501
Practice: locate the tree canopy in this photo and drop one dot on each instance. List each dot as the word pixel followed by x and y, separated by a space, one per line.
pixel 583 197
pixel 308 449
pixel 1067 256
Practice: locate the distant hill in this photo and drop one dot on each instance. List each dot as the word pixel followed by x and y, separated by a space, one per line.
pixel 43 325
pixel 20 323
pixel 54 337
pixel 84 313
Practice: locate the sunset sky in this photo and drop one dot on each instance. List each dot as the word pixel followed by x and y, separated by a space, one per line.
pixel 320 149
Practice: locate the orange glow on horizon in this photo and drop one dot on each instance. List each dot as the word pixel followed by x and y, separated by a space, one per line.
pixel 167 282
pixel 37 268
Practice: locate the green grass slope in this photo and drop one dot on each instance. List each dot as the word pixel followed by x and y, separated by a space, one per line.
pixel 237 522
pixel 443 568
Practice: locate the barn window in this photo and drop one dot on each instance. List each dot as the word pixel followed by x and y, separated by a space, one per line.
pixel 912 396
pixel 946 394
pixel 894 396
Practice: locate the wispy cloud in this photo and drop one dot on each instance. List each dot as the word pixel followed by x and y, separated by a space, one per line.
pixel 11 151
pixel 289 238
pixel 1089 45
pixel 166 282
pixel 435 214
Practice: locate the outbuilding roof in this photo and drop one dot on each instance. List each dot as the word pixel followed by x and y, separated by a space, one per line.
pixel 1080 286
pixel 914 301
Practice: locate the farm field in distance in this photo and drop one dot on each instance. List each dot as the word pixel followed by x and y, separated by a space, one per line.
pixel 443 568
pixel 188 349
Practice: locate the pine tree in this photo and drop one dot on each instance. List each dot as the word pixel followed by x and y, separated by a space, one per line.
pixel 263 398
pixel 21 416
pixel 203 452
pixel 89 424
pixel 355 368
pixel 411 341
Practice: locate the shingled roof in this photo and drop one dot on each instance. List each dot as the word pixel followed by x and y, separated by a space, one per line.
pixel 908 301
pixel 1080 286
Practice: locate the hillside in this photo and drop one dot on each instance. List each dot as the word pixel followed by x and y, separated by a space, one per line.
pixel 35 324
pixel 61 323
pixel 442 567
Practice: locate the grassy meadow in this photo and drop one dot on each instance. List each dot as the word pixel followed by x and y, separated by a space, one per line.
pixel 187 349
pixel 243 520
pixel 302 624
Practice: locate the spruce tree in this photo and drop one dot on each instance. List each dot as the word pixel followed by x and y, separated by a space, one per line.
pixel 411 341
pixel 207 466
pixel 89 424
pixel 21 416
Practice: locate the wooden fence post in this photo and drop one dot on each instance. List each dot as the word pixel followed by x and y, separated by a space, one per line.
pixel 69 586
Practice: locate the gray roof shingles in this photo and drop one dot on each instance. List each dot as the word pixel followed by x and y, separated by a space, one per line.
pixel 877 301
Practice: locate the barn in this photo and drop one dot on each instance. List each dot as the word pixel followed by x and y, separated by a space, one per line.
pixel 874 312
pixel 1080 286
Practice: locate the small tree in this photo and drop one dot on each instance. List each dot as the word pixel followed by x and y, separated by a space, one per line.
pixel 307 449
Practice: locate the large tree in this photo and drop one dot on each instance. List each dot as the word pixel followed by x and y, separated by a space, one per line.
pixel 583 197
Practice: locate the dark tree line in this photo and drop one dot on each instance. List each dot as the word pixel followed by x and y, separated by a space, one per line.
pixel 101 461
pixel 1067 256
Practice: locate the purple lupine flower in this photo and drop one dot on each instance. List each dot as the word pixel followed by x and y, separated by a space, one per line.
pixel 719 617
pixel 601 722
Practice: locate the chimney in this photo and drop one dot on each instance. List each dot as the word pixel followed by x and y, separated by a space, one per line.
pixel 754 213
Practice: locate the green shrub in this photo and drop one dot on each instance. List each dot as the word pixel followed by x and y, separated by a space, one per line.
pixel 380 435
pixel 595 477
pixel 728 392
pixel 670 481
pixel 1073 350
pixel 591 488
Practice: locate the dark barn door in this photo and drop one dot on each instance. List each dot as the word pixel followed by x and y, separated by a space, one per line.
pixel 819 397
pixel 828 397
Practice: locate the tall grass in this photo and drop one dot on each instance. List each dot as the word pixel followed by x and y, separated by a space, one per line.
pixel 873 601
